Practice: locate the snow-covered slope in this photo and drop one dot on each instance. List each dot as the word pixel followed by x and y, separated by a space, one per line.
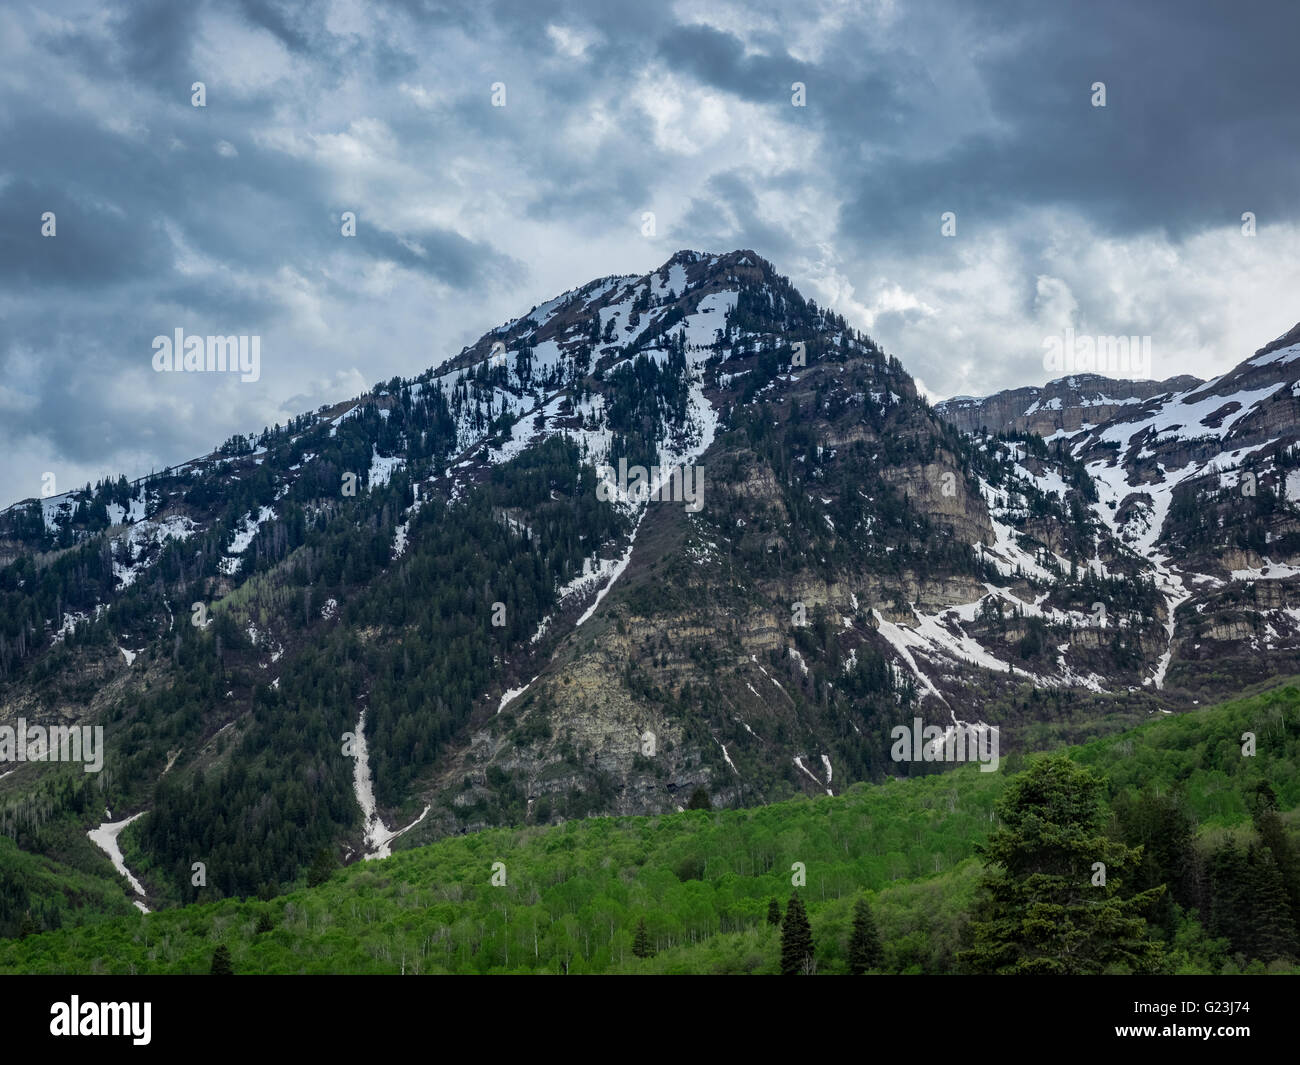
pixel 1200 483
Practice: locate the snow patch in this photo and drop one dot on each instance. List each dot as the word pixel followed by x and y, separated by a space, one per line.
pixel 378 836
pixel 105 838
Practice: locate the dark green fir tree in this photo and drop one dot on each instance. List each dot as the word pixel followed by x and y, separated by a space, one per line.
pixel 1053 898
pixel 641 941
pixel 221 964
pixel 796 940
pixel 864 941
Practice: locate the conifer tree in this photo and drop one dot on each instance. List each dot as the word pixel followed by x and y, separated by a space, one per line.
pixel 1272 932
pixel 773 912
pixel 221 964
pixel 796 939
pixel 1229 912
pixel 641 942
pixel 1160 823
pixel 864 941
pixel 1273 834
pixel 1052 900
pixel 322 868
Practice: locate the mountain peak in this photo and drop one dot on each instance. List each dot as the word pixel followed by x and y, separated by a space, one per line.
pixel 474 570
pixel 742 264
pixel 1286 340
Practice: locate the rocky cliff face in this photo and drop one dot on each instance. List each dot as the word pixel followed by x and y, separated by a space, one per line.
pixel 1064 405
pixel 1202 482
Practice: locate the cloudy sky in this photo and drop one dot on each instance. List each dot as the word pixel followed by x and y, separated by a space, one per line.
pixel 226 219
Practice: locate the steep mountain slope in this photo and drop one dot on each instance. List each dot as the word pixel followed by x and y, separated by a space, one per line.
pixel 1068 403
pixel 1202 482
pixel 459 570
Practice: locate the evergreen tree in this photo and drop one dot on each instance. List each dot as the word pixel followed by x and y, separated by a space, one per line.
pixel 773 912
pixel 221 965
pixel 1230 905
pixel 796 940
pixel 641 942
pixel 1161 825
pixel 1272 932
pixel 865 951
pixel 322 867
pixel 1273 834
pixel 1248 903
pixel 1042 910
pixel 700 799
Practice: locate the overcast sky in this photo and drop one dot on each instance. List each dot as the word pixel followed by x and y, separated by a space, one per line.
pixel 226 219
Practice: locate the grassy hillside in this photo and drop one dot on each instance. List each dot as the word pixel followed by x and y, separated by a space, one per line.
pixel 573 894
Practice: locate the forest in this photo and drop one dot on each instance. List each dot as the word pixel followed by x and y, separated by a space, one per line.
pixel 959 872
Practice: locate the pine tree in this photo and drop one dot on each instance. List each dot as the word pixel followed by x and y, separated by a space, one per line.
pixel 796 940
pixel 1160 823
pixel 322 867
pixel 864 941
pixel 1230 906
pixel 773 912
pixel 1273 835
pixel 221 964
pixel 641 942
pixel 1042 910
pixel 1273 933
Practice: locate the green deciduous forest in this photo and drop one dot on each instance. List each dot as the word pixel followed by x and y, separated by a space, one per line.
pixel 908 876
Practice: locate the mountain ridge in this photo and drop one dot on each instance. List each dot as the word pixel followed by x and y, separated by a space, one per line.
pixel 1066 403
pixel 444 565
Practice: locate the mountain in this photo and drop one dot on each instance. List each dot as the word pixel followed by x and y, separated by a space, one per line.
pixel 1200 480
pixel 444 604
pixel 1066 404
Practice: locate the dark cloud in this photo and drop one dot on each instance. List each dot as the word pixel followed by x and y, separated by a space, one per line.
pixel 1199 123
pixel 156 37
pixel 719 59
pixel 284 21
pixel 92 243
pixel 439 253
pixel 227 217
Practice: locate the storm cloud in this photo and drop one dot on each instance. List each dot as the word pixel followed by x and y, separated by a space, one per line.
pixel 229 218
